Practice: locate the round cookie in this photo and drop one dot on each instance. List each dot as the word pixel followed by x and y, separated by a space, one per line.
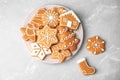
pixel 50 18
pixel 95 45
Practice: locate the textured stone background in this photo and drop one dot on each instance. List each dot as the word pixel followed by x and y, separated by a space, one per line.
pixel 99 17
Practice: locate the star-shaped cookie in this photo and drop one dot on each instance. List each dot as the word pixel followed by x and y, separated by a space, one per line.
pixel 46 36
pixel 59 53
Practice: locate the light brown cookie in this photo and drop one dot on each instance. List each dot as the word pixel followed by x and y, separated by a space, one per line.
pixel 62 29
pixel 37 19
pixel 85 68
pixel 46 36
pixel 59 53
pixel 29 32
pixel 95 45
pixel 50 18
pixel 70 20
pixel 60 10
pixel 67 38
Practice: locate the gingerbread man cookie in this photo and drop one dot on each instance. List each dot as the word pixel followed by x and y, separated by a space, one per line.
pixel 47 36
pixel 50 18
pixel 70 20
pixel 29 32
pixel 59 53
pixel 95 45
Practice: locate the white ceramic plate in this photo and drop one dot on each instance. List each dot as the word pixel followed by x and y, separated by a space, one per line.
pixel 79 35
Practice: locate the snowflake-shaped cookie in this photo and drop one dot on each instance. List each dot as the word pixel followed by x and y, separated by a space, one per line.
pixel 95 45
pixel 47 36
pixel 39 51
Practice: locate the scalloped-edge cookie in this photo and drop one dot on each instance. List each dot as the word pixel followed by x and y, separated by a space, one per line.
pixel 95 45
pixel 50 18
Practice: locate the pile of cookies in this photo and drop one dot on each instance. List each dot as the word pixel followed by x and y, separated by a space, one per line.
pixel 51 33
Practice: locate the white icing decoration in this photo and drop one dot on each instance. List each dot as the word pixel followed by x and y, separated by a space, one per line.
pixel 33 30
pixel 67 37
pixel 94 52
pixel 88 47
pixel 89 40
pixel 102 49
pixel 70 44
pixel 47 52
pixel 50 17
pixel 103 42
pixel 35 52
pixel 63 31
pixel 69 23
pixel 47 36
pixel 96 37
pixel 39 50
pixel 41 55
pixel 34 45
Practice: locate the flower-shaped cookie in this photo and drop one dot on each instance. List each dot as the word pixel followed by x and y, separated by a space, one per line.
pixel 59 53
pixel 95 45
pixel 50 18
pixel 46 36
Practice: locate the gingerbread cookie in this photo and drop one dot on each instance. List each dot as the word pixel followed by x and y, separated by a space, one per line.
pixel 85 68
pixel 29 32
pixel 39 51
pixel 62 29
pixel 37 19
pixel 46 36
pixel 70 20
pixel 50 18
pixel 67 38
pixel 60 10
pixel 59 53
pixel 95 45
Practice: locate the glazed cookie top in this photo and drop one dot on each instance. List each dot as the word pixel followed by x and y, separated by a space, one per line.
pixel 95 45
pixel 47 36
